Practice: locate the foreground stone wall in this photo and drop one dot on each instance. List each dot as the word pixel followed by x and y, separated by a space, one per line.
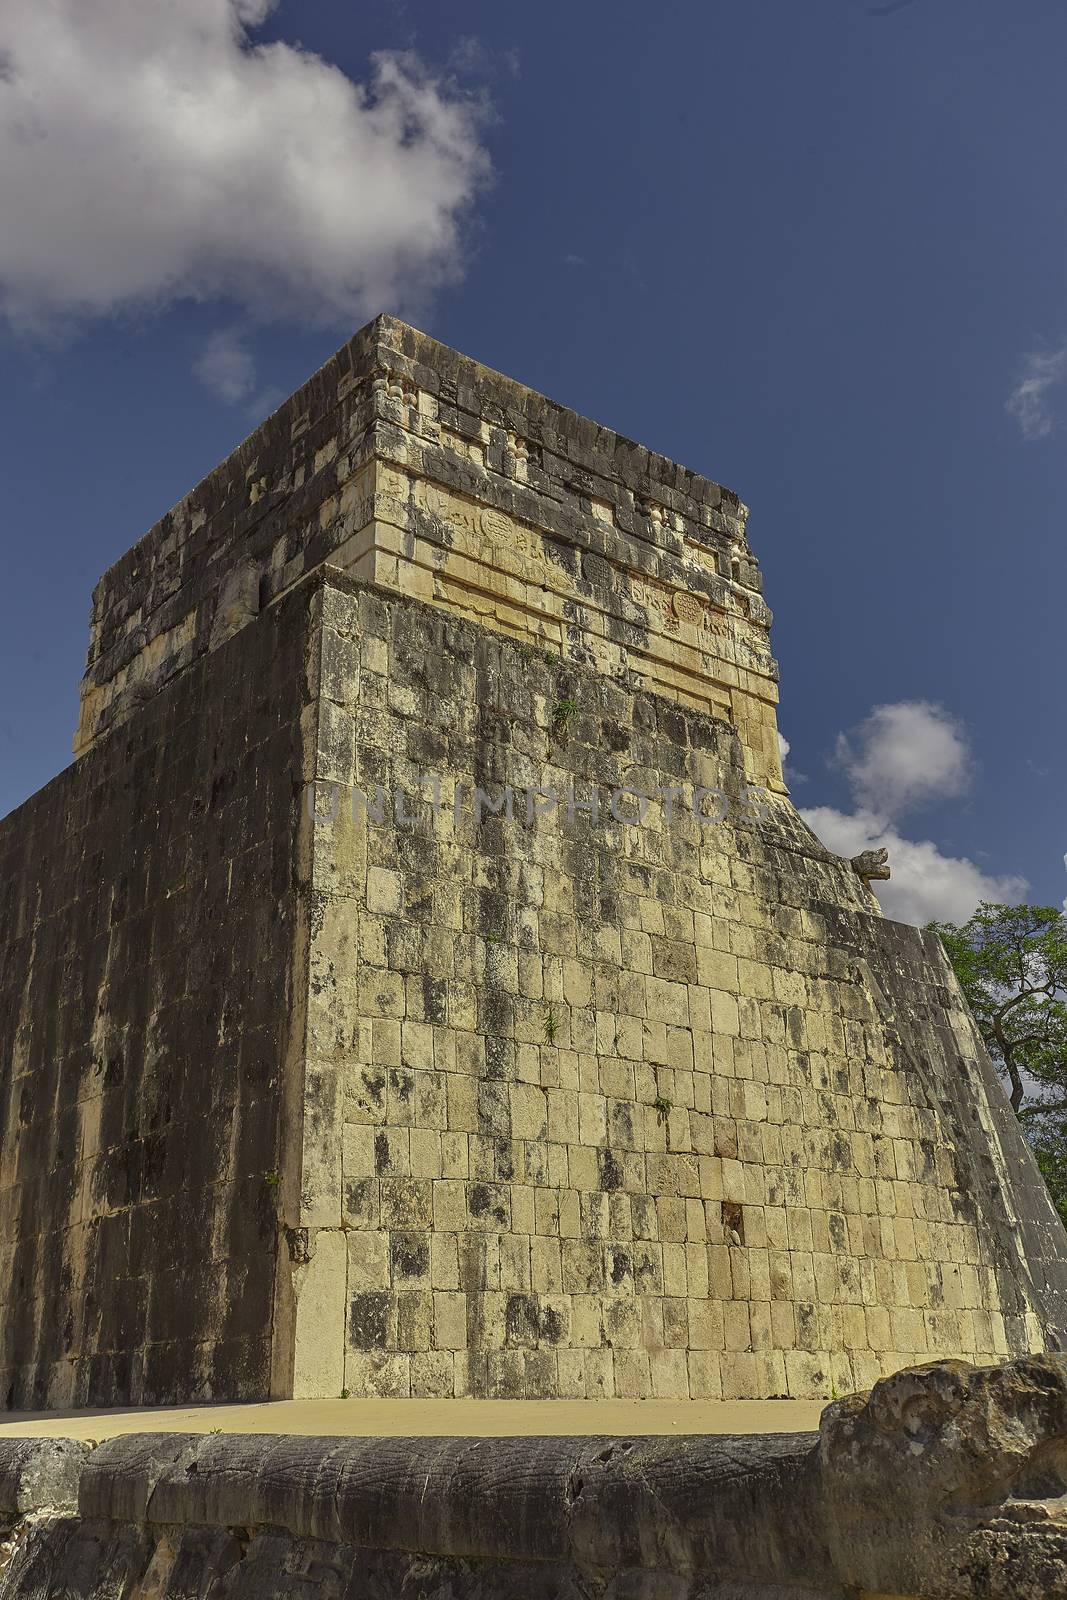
pixel 946 1483
pixel 147 917
pixel 596 1107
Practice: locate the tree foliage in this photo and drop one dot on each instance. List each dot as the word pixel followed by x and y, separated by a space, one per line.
pixel 1011 962
pixel 1049 1141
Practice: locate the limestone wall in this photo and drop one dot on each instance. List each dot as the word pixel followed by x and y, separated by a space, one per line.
pixel 627 1109
pixel 147 930
pixel 434 1103
pixel 393 1095
pixel 417 468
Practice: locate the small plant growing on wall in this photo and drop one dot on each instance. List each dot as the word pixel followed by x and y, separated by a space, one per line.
pixel 562 713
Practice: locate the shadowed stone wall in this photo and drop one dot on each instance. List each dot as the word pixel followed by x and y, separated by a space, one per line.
pixel 147 916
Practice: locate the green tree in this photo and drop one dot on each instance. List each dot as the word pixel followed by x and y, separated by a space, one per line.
pixel 1011 962
pixel 1049 1143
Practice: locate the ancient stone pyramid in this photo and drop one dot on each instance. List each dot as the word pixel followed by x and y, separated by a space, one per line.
pixel 422 983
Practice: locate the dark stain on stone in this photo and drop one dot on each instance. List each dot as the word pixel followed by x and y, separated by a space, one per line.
pixel 841 1153
pixel 620 1266
pixel 374 1088
pixel 733 1221
pixel 435 999
pixel 609 1171
pixel 368 1320
pixel 409 1255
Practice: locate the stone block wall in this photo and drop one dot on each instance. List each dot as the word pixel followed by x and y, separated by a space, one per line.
pixel 416 468
pixel 392 1097
pixel 148 912
pixel 398 1095
pixel 612 1108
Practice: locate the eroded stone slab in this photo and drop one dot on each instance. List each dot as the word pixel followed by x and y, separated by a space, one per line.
pixel 945 1483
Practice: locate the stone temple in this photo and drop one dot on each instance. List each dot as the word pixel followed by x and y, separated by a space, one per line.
pixel 421 982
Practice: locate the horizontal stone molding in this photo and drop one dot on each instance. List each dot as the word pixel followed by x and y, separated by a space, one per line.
pixel 421 470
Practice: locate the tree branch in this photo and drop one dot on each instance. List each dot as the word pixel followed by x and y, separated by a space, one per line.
pixel 1007 1056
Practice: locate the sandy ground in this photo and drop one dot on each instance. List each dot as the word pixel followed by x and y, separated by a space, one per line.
pixel 429 1418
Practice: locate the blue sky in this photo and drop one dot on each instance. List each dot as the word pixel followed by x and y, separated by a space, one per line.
pixel 814 251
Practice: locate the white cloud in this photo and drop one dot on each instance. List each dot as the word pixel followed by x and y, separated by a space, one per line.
pixel 783 747
pixel 226 367
pixel 900 756
pixel 1028 402
pixel 151 150
pixel 926 885
pixel 904 754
